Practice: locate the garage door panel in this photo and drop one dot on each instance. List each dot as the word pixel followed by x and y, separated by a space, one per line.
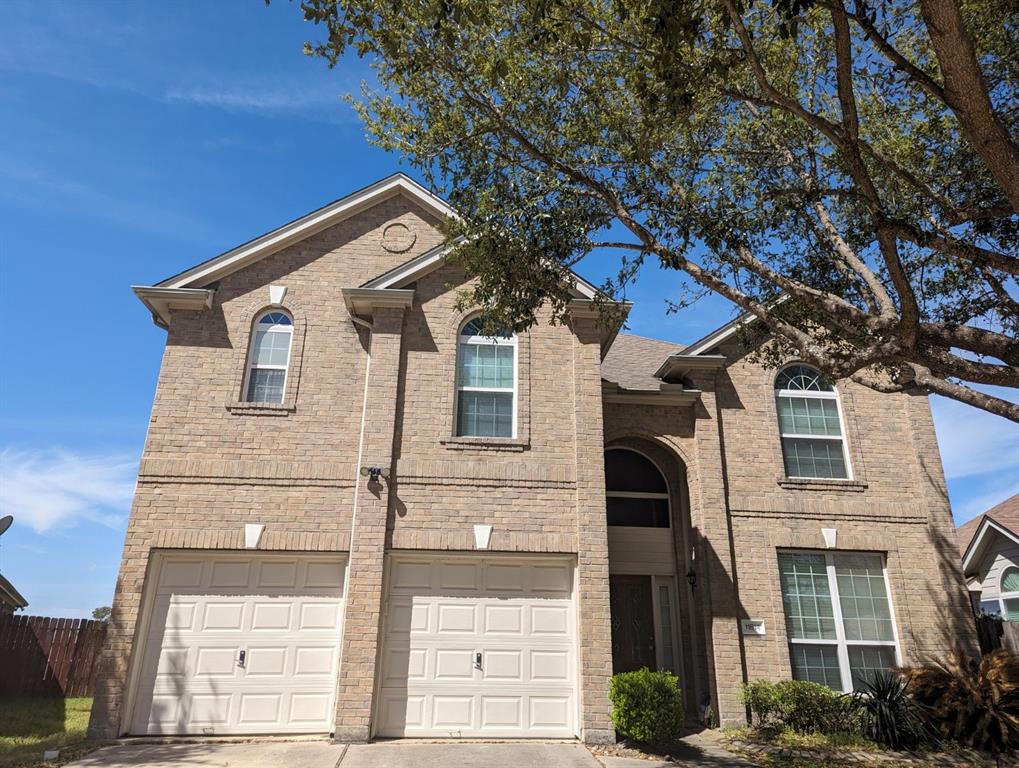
pixel 456 618
pixel 192 681
pixel 503 665
pixel 518 613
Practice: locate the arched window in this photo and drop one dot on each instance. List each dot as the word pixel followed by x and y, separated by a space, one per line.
pixel 486 385
pixel 1010 593
pixel 635 490
pixel 810 423
pixel 268 358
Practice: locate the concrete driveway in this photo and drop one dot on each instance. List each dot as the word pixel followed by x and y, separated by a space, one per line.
pixel 696 752
pixel 274 754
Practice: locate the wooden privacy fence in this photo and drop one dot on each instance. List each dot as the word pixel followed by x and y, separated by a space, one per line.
pixel 41 656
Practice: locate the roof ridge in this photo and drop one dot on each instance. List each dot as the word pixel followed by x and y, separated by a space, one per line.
pixel 652 338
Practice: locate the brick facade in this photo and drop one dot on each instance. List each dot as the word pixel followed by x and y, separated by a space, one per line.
pixel 385 398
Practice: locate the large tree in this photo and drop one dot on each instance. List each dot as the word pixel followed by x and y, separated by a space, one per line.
pixel 848 174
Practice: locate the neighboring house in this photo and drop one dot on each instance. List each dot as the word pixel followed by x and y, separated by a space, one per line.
pixel 989 544
pixel 10 599
pixel 358 514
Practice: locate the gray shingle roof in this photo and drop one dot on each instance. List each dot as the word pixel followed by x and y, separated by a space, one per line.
pixel 632 361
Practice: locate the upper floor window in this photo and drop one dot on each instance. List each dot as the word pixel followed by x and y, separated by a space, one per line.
pixel 635 490
pixel 810 422
pixel 486 387
pixel 268 358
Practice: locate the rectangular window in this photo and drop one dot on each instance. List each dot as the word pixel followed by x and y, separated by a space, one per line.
pixel 838 617
pixel 812 440
pixel 486 384
pixel 665 627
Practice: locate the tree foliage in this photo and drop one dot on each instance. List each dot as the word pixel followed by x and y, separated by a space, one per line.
pixel 859 160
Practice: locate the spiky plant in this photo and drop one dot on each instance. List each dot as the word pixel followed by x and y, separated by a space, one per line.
pixel 889 715
pixel 974 702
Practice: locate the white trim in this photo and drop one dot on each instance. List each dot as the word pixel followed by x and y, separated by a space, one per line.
pixel 976 542
pixel 161 300
pixel 251 366
pixel 497 341
pixel 719 335
pixel 841 643
pixel 307 225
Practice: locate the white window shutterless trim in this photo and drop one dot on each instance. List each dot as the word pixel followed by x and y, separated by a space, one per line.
pixel 497 341
pixel 839 438
pixel 253 364
pixel 843 644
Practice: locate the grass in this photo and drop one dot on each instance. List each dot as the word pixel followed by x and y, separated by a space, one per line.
pixel 28 726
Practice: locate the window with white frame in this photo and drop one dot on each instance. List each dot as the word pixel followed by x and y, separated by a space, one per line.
pixel 486 387
pixel 810 423
pixel 1009 595
pixel 268 358
pixel 838 617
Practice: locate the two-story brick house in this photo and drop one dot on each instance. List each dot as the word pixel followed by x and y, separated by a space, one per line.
pixel 359 514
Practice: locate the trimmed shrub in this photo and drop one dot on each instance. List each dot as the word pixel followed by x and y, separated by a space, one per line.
pixel 889 715
pixel 801 706
pixel 973 702
pixel 647 706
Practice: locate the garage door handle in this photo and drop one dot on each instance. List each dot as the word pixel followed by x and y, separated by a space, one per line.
pixel 477 659
pixel 240 661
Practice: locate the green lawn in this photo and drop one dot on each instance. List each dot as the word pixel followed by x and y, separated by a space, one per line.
pixel 30 725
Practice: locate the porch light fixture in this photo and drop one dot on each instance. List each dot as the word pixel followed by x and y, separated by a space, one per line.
pixel 374 473
pixel 691 577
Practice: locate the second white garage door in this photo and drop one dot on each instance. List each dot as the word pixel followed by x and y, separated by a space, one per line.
pixel 479 647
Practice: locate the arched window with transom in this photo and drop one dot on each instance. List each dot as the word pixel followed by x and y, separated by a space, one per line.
pixel 486 382
pixel 810 423
pixel 636 493
pixel 269 358
pixel 1009 587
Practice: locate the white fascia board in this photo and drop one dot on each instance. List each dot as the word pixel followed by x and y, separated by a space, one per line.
pixel 308 225
pixel 431 260
pixel 410 271
pixel 719 335
pixel 161 300
pixel 362 301
pixel 976 542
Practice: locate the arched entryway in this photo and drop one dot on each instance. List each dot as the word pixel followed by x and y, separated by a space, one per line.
pixel 648 528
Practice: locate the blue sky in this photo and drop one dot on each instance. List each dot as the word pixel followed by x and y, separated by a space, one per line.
pixel 137 139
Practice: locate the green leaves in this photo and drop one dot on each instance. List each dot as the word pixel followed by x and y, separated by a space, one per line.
pixel 720 139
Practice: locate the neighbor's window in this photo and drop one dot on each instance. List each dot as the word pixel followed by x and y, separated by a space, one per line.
pixel 838 617
pixel 268 358
pixel 1010 594
pixel 635 490
pixel 486 388
pixel 809 421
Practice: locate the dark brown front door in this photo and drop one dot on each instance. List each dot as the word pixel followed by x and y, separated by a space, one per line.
pixel 633 630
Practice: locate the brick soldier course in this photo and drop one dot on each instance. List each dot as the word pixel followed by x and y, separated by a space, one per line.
pixel 371 382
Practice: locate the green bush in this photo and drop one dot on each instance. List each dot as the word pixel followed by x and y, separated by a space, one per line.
pixel 801 706
pixel 889 715
pixel 647 706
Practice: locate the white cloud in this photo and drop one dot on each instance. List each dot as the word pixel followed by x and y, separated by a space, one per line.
pixel 974 442
pixel 45 489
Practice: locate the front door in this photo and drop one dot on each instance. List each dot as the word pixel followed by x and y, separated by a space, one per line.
pixel 633 631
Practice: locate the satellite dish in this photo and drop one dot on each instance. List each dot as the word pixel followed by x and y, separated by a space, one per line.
pixel 5 522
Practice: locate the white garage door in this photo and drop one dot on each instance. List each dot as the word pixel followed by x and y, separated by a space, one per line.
pixel 482 647
pixel 241 644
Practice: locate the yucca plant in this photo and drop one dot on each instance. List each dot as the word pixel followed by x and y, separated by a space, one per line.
pixel 889 715
pixel 974 702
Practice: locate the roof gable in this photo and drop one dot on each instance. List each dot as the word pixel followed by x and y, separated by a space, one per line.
pixel 305 226
pixel 1000 520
